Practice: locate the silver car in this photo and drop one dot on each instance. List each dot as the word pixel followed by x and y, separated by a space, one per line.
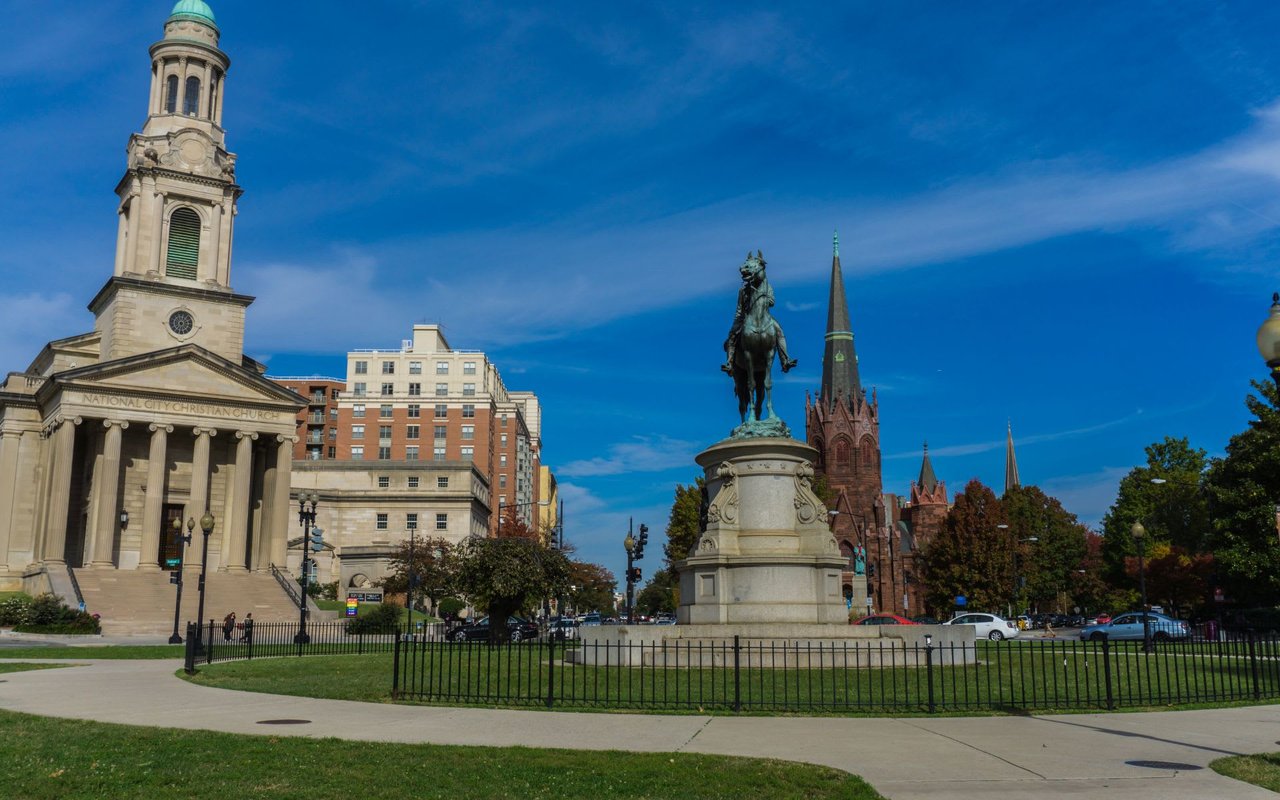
pixel 1129 627
pixel 987 626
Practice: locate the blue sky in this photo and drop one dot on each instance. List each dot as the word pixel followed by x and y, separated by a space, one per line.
pixel 1063 214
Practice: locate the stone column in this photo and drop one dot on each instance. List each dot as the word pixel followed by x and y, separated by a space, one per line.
pixel 208 264
pixel 133 211
pixel 217 117
pixel 122 235
pixel 64 451
pixel 157 87
pixel 280 503
pixel 206 93
pixel 259 493
pixel 107 486
pixel 153 505
pixel 10 441
pixel 157 226
pixel 238 526
pixel 199 487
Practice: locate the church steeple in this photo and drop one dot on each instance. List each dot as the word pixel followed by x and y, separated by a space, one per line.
pixel 1010 463
pixel 928 480
pixel 839 361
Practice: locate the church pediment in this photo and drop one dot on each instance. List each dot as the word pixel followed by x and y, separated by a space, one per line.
pixel 186 373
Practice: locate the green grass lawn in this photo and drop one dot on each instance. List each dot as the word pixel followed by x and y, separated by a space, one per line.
pixel 7 595
pixel 95 651
pixel 50 759
pixel 27 667
pixel 1260 770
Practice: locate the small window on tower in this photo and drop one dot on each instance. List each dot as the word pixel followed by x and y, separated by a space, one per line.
pixel 171 94
pixel 191 97
pixel 184 244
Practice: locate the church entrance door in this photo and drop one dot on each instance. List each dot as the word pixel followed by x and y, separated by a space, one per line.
pixel 170 555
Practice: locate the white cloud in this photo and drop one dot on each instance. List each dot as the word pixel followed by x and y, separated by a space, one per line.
pixel 642 454
pixel 1019 441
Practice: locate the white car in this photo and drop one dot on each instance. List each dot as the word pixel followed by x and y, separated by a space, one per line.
pixel 987 626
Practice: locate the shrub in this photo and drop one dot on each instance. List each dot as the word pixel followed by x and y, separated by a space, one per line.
pixel 382 618
pixel 329 591
pixel 79 623
pixel 449 607
pixel 14 610
pixel 46 613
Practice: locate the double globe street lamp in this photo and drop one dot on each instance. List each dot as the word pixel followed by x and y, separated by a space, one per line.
pixel 1269 338
pixel 1140 538
pixel 312 539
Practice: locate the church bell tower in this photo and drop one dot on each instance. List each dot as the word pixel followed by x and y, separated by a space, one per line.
pixel 171 284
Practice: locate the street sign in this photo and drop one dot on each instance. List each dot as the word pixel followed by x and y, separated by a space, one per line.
pixel 870 602
pixel 961 600
pixel 353 605
pixel 368 596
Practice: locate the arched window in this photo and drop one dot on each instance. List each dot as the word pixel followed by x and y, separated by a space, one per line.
pixel 842 453
pixel 191 97
pixel 868 452
pixel 184 244
pixel 171 94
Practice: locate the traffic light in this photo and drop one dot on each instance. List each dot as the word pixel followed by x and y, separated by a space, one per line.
pixel 641 542
pixel 634 575
pixel 317 540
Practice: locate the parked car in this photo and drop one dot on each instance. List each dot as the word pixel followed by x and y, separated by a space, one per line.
pixel 1129 626
pixel 987 626
pixel 564 629
pixel 592 618
pixel 1098 619
pixel 478 631
pixel 925 619
pixel 883 619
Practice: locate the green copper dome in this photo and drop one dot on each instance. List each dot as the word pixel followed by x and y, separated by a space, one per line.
pixel 197 10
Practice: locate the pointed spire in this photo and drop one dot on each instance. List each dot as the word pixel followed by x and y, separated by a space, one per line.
pixel 1010 463
pixel 839 361
pixel 928 480
pixel 835 243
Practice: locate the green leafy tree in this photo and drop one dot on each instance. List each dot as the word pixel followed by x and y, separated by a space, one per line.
pixel 1243 490
pixel 1175 512
pixel 1048 564
pixel 592 587
pixel 435 569
pixel 1179 581
pixel 683 526
pixel 660 594
pixel 508 575
pixel 971 556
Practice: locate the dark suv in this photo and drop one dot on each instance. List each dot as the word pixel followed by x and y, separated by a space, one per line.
pixel 478 631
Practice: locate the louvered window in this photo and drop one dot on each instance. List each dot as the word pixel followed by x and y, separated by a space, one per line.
pixel 171 94
pixel 191 97
pixel 184 244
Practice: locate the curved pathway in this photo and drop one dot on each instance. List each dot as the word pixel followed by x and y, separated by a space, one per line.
pixel 1081 756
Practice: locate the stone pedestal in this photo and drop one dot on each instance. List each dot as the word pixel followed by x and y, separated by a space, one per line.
pixel 767 554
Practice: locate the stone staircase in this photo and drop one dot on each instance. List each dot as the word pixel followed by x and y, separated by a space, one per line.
pixel 132 602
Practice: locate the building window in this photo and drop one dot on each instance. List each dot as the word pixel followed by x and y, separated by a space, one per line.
pixel 442 431
pixel 388 368
pixel 469 368
pixel 502 481
pixel 442 522
pixel 357 431
pixel 468 453
pixel 184 244
pixel 357 454
pixel 438 454
pixel 442 367
pixel 384 411
pixel 191 97
pixel 503 418
pixel 415 367
pixel 468 390
pixel 384 431
pixel 411 523
pixel 333 394
pixel 442 411
pixel 384 453
pixel 382 522
pixel 504 440
pixel 388 389
pixel 411 452
pixel 468 411
pixel 333 452
pixel 502 460
pixel 333 414
pixel 415 411
pixel 171 94
pixel 384 481
pixel 411 431
pixel 413 481
pixel 362 367
pixel 442 389
pixel 333 433
pixel 442 482
pixel 468 431
pixel 415 389
pixel 360 389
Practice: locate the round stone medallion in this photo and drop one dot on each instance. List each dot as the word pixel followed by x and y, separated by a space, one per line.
pixel 181 322
pixel 193 151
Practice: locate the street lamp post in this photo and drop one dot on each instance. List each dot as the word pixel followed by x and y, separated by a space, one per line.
pixel 635 551
pixel 307 516
pixel 180 540
pixel 1140 537
pixel 1269 339
pixel 408 589
pixel 206 528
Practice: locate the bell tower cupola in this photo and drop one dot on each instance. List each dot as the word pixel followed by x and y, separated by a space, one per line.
pixel 177 203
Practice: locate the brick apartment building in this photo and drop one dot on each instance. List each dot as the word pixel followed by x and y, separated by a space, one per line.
pixel 318 422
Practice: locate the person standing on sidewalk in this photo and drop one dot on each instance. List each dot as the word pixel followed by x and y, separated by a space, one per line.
pixel 247 638
pixel 228 625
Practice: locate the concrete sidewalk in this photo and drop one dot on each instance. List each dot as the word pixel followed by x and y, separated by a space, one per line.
pixel 1081 756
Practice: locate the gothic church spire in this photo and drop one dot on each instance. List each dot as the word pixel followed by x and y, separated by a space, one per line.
pixel 1010 464
pixel 839 361
pixel 928 480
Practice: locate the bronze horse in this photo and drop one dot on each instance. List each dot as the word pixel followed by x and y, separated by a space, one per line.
pixel 753 340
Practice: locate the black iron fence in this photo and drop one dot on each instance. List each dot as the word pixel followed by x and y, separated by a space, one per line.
pixel 881 676
pixel 214 643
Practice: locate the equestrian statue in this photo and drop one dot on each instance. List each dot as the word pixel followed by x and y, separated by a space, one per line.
pixel 753 339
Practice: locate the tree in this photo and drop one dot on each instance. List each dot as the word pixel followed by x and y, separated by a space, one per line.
pixel 659 595
pixel 1176 511
pixel 592 587
pixel 1089 590
pixel 1243 490
pixel 1048 564
pixel 510 526
pixel 1176 579
pixel 435 569
pixel 508 575
pixel 970 556
pixel 684 525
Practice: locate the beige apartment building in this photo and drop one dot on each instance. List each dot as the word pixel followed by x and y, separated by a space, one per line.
pixel 155 414
pixel 426 401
